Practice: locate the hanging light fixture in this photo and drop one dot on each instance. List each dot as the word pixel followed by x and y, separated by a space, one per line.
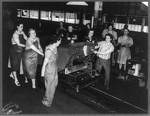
pixel 77 3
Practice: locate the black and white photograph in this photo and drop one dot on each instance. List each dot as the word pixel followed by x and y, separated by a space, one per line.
pixel 75 57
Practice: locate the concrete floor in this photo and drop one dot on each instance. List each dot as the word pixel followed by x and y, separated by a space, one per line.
pixel 122 98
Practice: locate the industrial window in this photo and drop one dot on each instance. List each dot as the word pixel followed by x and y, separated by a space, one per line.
pixel 145 29
pixel 77 20
pixel 18 12
pixel 45 15
pixel 25 13
pixel 135 20
pixel 71 18
pixel 121 19
pixel 119 25
pixel 34 14
pixel 87 18
pixel 57 16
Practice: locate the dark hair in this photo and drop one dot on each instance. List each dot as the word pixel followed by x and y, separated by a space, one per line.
pixel 70 26
pixel 53 39
pixel 61 22
pixel 88 24
pixel 126 26
pixel 19 23
pixel 126 29
pixel 111 25
pixel 110 35
pixel 30 30
pixel 87 33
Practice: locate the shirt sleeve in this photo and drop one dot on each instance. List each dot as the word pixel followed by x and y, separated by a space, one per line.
pixel 29 42
pixel 48 53
pixel 112 48
pixel 131 41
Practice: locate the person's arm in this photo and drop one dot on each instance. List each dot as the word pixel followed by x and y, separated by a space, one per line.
pixel 130 43
pixel 46 59
pixel 24 35
pixel 111 49
pixel 75 37
pixel 39 45
pixel 34 48
pixel 16 39
pixel 96 47
pixel 57 30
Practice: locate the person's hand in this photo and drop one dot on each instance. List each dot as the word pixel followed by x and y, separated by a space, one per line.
pixel 42 54
pixel 41 50
pixel 22 32
pixel 93 41
pixel 92 49
pixel 95 52
pixel 62 35
pixel 127 45
pixel 96 47
pixel 42 76
pixel 72 42
pixel 68 38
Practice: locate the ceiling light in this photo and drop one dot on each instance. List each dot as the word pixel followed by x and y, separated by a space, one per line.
pixel 77 3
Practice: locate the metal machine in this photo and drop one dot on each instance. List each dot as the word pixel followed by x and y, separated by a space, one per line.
pixel 75 65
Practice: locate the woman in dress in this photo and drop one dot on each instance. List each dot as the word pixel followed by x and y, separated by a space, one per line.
pixel 125 42
pixel 49 70
pixel 18 44
pixel 30 57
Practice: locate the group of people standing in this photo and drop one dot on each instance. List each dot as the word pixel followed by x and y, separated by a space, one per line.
pixel 23 57
pixel 118 46
pixel 111 48
pixel 24 53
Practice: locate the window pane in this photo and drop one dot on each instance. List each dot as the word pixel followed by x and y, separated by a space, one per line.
pixel 18 12
pixel 135 20
pixel 121 19
pixel 139 28
pixel 34 14
pixel 44 15
pixel 57 16
pixel 25 13
pixel 87 19
pixel 70 18
pixel 77 19
pixel 145 29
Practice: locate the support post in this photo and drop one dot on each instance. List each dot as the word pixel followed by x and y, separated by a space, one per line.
pixel 97 12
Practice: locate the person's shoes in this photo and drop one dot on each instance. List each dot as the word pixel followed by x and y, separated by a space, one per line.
pixel 26 84
pixel 46 103
pixel 96 73
pixel 11 75
pixel 121 77
pixel 35 90
pixel 17 83
pixel 107 87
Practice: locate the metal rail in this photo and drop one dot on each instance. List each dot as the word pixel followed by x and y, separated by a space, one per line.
pixel 118 99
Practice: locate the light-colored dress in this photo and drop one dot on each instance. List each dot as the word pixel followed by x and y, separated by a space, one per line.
pixel 51 74
pixel 124 52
